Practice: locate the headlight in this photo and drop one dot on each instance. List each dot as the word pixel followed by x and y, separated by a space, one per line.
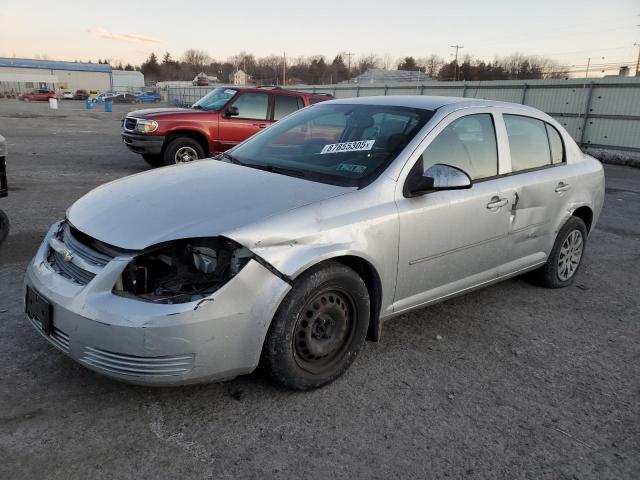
pixel 146 126
pixel 182 271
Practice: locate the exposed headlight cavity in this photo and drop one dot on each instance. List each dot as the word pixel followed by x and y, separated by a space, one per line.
pixel 182 271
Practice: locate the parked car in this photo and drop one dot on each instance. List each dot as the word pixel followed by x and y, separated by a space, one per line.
pixel 105 96
pixel 124 98
pixel 150 96
pixel 4 190
pixel 67 95
pixel 40 94
pixel 81 95
pixel 93 94
pixel 295 245
pixel 221 119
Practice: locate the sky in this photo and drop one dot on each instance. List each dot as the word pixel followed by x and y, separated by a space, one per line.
pixel 569 31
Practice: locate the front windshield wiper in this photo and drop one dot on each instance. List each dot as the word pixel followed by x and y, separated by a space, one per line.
pixel 230 158
pixel 197 107
pixel 277 169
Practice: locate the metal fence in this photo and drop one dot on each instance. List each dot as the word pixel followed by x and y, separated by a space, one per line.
pixel 599 113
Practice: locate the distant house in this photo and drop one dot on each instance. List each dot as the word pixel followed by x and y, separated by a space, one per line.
pixel 380 75
pixel 240 78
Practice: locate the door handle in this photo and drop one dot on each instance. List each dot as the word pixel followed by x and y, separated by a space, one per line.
pixel 260 125
pixel 562 187
pixel 497 202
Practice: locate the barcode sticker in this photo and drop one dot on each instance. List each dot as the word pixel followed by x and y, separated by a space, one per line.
pixel 348 147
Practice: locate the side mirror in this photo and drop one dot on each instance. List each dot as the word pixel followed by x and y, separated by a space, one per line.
pixel 437 177
pixel 232 112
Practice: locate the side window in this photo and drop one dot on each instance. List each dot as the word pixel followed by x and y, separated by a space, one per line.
pixel 468 143
pixel 528 142
pixel 252 106
pixel 284 105
pixel 555 142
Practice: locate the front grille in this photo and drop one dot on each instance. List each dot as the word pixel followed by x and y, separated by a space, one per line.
pixel 69 270
pixel 67 244
pixel 121 364
pixel 130 123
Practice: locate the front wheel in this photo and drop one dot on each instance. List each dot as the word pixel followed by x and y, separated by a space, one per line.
pixel 182 150
pixel 318 329
pixel 566 256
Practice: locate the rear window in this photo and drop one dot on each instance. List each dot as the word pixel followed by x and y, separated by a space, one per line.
pixel 284 105
pixel 528 142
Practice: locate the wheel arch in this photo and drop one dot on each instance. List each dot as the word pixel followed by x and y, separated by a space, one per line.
pixel 584 213
pixel 196 135
pixel 369 274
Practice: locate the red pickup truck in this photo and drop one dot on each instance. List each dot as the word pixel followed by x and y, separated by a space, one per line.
pixel 218 121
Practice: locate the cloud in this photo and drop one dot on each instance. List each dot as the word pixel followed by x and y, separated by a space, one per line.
pixel 7 14
pixel 125 37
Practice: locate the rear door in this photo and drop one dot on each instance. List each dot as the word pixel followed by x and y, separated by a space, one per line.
pixel 253 116
pixel 540 179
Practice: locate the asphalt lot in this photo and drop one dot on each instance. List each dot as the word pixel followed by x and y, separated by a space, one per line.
pixel 525 383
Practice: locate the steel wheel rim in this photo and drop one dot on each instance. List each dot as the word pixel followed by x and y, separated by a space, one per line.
pixel 185 154
pixel 324 330
pixel 570 255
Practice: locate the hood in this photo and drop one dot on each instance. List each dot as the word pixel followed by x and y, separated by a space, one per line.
pixel 155 112
pixel 199 199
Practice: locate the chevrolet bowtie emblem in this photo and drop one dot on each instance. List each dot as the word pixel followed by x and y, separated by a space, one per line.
pixel 67 256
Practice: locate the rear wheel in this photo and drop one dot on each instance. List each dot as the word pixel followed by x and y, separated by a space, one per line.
pixel 154 160
pixel 318 329
pixel 4 226
pixel 182 150
pixel 566 256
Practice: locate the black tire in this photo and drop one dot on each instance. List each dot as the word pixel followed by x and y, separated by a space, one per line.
pixel 154 160
pixel 552 274
pixel 318 329
pixel 4 226
pixel 189 144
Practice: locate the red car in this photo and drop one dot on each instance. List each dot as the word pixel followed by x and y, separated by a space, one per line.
pixel 218 121
pixel 42 94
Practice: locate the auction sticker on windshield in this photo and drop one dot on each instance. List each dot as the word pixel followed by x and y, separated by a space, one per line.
pixel 348 147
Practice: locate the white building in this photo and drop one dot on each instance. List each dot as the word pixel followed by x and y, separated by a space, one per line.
pixel 126 80
pixel 70 75
pixel 240 78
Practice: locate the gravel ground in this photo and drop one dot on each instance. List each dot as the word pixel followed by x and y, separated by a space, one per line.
pixel 510 382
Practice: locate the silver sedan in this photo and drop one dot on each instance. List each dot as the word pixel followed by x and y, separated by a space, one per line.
pixel 292 248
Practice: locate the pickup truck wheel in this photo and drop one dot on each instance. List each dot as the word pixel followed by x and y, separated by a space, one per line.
pixel 182 150
pixel 4 226
pixel 154 160
pixel 318 329
pixel 565 257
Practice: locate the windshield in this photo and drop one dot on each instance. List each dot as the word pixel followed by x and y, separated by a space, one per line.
pixel 215 99
pixel 347 145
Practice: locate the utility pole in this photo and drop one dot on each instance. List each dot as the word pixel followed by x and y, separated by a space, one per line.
pixel 638 62
pixel 457 47
pixel 284 68
pixel 348 54
pixel 588 64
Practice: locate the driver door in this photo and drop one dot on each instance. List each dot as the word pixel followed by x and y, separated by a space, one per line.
pixel 253 114
pixel 451 240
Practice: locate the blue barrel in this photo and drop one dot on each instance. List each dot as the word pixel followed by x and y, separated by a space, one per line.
pixel 100 100
pixel 108 106
pixel 89 104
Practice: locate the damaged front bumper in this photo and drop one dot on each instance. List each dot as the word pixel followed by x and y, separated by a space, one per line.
pixel 157 344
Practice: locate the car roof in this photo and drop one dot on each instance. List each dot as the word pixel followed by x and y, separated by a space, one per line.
pixel 427 102
pixel 273 88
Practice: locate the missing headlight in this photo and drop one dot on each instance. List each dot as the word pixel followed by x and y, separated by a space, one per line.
pixel 183 271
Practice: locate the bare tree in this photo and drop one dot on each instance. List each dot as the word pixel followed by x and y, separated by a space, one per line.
pixel 197 58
